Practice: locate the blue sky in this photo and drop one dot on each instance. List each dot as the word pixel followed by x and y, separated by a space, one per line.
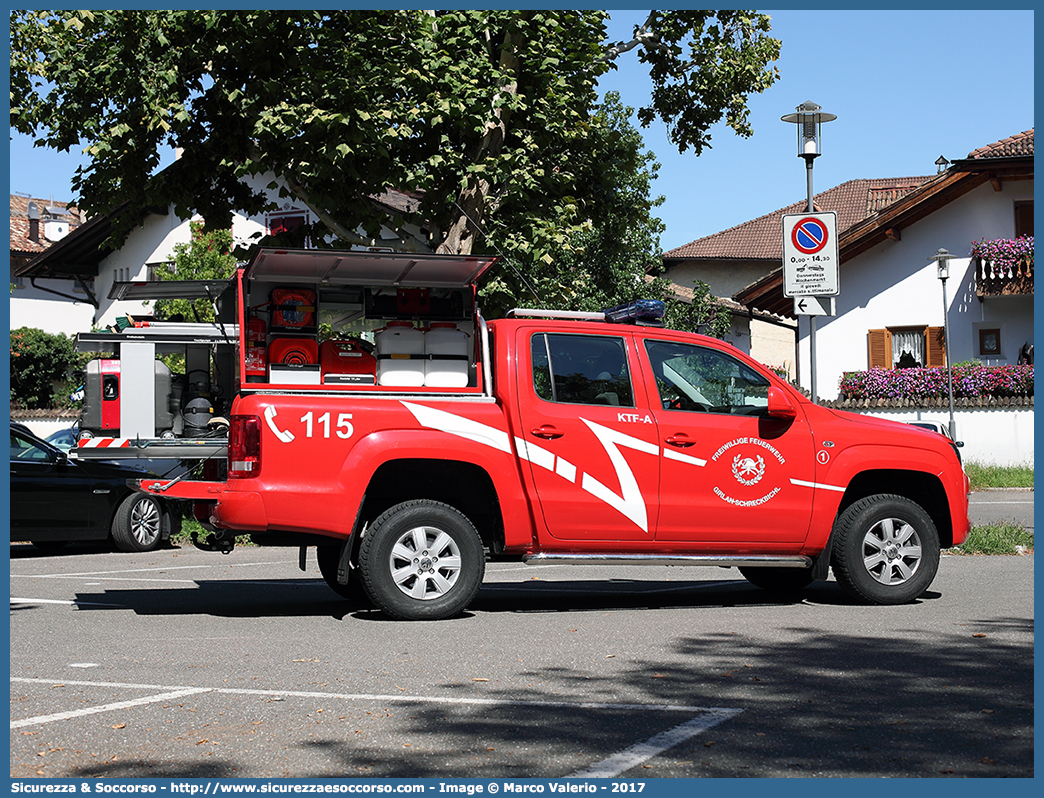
pixel 906 86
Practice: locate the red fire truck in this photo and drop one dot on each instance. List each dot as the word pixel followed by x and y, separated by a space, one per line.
pixel 425 440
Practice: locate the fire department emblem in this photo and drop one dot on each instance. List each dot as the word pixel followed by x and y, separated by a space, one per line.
pixel 748 470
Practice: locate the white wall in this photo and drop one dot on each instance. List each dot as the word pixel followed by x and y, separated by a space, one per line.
pixel 1001 437
pixel 31 307
pixel 895 284
pixel 154 241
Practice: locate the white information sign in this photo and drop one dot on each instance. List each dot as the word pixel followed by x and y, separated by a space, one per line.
pixel 814 306
pixel 810 257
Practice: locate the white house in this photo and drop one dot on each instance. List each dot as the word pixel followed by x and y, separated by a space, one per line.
pixel 55 305
pixel 891 299
pixel 82 256
pixel 731 260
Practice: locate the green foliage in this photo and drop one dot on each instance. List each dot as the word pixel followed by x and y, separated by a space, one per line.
pixel 1003 538
pixel 992 476
pixel 487 115
pixel 207 256
pixel 41 366
pixel 607 259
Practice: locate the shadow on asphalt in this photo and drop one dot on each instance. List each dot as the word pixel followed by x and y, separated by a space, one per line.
pixel 309 597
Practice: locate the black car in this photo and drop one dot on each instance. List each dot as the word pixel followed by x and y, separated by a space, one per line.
pixel 56 500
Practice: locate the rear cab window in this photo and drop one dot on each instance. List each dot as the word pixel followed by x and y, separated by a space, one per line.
pixel 581 369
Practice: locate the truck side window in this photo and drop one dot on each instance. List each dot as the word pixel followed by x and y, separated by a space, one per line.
pixel 698 379
pixel 581 369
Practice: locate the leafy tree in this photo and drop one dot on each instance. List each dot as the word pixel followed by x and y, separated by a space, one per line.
pixel 41 363
pixel 486 115
pixel 610 256
pixel 474 108
pixel 207 256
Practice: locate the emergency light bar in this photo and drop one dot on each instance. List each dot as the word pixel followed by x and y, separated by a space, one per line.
pixel 640 311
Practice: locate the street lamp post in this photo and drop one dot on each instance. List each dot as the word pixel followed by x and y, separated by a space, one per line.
pixel 942 264
pixel 809 119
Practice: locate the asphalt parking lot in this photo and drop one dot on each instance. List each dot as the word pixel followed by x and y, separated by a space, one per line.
pixel 182 663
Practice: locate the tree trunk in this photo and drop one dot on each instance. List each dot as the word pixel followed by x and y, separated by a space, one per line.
pixel 472 201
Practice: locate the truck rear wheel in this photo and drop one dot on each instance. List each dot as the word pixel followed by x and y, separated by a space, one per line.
pixel 886 550
pixel 328 557
pixel 422 560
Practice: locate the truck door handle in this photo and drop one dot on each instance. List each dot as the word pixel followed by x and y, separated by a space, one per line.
pixel 681 440
pixel 547 432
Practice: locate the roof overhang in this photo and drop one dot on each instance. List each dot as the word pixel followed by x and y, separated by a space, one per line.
pixel 767 293
pixel 170 289
pixel 79 253
pixel 357 267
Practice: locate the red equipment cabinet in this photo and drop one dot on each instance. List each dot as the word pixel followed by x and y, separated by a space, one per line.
pixel 346 362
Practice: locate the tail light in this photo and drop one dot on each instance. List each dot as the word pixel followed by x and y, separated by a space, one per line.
pixel 244 447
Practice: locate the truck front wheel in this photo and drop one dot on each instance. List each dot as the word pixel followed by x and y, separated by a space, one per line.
pixel 886 550
pixel 422 560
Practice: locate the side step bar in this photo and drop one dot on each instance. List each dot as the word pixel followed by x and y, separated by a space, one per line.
pixel 750 560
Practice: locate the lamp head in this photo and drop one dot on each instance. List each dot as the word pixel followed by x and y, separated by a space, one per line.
pixel 809 119
pixel 942 263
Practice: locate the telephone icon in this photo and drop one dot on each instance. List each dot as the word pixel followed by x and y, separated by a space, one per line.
pixel 284 435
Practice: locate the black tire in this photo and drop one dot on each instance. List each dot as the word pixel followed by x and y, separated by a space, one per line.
pixel 778 580
pixel 140 524
pixel 422 560
pixel 328 557
pixel 886 550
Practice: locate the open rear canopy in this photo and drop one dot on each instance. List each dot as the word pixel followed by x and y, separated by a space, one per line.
pixel 400 269
pixel 170 289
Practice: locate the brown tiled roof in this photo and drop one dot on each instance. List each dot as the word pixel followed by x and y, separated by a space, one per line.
pixel 761 238
pixel 20 241
pixel 963 176
pixel 1011 147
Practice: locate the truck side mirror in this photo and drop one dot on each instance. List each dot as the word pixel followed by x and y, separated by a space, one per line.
pixel 779 405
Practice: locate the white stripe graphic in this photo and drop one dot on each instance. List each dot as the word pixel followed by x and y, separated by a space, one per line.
pixel 670 454
pixel 802 483
pixel 630 502
pixel 460 426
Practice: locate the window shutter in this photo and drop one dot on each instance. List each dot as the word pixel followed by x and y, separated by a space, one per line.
pixel 935 340
pixel 879 349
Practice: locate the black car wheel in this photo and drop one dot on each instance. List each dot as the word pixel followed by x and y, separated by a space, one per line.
pixel 140 523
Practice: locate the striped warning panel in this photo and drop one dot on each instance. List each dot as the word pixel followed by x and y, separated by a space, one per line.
pixel 103 443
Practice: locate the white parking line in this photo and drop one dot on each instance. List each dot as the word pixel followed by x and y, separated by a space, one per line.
pixel 613 766
pixel 79 713
pixel 163 569
pixel 15 600
pixel 610 767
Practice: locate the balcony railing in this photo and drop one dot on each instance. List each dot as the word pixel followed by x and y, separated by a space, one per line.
pixel 1003 267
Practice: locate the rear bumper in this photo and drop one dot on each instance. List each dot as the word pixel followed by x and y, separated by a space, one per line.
pixel 228 509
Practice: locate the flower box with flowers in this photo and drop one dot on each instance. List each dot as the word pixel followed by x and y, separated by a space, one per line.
pixel 969 380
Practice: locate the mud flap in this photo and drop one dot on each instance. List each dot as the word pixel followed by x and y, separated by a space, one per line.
pixel 821 567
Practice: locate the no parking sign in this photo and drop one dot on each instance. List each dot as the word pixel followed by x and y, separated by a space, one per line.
pixel 810 256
